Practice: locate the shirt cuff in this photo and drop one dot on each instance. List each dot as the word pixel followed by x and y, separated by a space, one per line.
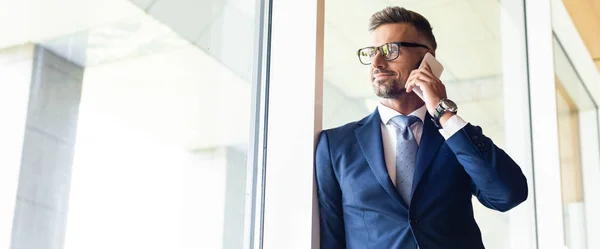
pixel 452 125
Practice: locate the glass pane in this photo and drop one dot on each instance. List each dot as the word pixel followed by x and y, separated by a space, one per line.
pixel 469 38
pixel 572 99
pixel 138 123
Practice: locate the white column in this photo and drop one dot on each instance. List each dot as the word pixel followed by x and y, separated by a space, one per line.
pixel 294 111
pixel 517 118
pixel 544 125
pixel 16 65
pixel 41 93
pixel 590 167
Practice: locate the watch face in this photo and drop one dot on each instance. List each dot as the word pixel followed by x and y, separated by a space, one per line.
pixel 449 105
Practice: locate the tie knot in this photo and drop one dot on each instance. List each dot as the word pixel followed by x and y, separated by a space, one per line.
pixel 402 121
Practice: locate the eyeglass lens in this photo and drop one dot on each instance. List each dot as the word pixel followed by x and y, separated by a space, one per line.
pixel 388 51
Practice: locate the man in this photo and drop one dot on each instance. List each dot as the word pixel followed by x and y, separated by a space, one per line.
pixel 403 177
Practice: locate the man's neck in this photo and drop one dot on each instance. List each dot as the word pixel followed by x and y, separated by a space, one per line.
pixel 404 104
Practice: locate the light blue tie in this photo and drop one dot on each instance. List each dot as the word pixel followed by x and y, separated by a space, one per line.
pixel 406 155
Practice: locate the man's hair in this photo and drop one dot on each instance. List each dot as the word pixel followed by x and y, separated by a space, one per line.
pixel 401 15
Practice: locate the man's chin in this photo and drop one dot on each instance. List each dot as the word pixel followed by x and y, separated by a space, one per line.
pixel 387 93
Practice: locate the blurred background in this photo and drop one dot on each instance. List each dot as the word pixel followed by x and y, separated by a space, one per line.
pixel 127 123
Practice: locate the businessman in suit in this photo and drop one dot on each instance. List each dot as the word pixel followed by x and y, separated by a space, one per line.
pixel 403 177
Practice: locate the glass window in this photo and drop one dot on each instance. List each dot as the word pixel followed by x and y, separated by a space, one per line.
pixel 138 123
pixel 574 104
pixel 476 51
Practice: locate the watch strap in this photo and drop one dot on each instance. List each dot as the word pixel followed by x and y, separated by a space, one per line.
pixel 439 110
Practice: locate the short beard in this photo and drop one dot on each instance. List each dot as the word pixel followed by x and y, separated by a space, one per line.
pixel 388 89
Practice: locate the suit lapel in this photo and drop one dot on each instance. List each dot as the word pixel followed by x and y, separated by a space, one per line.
pixel 431 140
pixel 371 144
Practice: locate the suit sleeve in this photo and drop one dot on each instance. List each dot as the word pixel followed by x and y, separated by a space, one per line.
pixel 496 179
pixel 330 198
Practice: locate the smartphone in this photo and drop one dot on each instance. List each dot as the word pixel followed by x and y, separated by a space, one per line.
pixel 436 69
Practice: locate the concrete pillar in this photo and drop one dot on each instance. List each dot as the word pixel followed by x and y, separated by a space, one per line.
pixel 235 190
pixel 16 65
pixel 44 124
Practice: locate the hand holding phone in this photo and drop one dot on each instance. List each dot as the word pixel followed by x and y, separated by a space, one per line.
pixel 436 68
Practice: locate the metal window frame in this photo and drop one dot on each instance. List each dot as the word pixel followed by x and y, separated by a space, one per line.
pixel 256 163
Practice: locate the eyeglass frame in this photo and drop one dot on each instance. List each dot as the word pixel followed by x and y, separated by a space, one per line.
pixel 400 44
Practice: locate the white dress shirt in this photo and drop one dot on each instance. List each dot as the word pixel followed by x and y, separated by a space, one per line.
pixel 388 132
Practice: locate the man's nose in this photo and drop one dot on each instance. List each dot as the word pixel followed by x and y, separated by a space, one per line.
pixel 379 61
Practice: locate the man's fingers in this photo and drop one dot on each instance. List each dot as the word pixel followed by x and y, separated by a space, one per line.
pixel 427 66
pixel 415 82
pixel 413 72
pixel 425 76
pixel 429 74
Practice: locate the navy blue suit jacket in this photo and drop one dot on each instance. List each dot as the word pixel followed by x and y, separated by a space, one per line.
pixel 361 209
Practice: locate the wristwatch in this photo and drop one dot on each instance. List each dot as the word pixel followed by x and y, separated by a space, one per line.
pixel 445 105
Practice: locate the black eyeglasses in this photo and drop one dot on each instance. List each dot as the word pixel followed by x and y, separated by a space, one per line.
pixel 389 51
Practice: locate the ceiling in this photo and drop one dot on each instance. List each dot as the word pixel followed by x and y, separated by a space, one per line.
pixel 586 17
pixel 23 21
pixel 223 29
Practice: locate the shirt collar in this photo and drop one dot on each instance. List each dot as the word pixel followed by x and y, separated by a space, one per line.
pixel 386 113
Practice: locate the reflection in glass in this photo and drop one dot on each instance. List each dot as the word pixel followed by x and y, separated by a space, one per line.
pixel 570 168
pixel 572 99
pixel 137 125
